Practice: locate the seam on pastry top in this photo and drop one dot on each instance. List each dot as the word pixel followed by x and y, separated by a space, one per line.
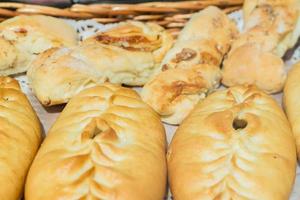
pixel 98 157
pixel 232 167
pixel 243 96
pixel 97 127
pixel 96 134
pixel 251 99
pixel 106 102
pixel 94 161
pixel 97 146
pixel 229 163
pixel 243 100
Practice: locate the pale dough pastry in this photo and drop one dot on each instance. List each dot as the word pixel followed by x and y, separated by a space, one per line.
pixel 129 54
pixel 271 28
pixel 190 70
pixel 28 36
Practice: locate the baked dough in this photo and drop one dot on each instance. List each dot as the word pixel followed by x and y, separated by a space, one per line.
pixel 28 36
pixel 136 36
pixel 20 136
pixel 106 144
pixel 236 144
pixel 126 54
pixel 191 68
pixel 8 54
pixel 271 28
pixel 291 102
pixel 175 92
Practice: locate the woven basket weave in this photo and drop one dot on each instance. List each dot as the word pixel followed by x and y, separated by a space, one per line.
pixel 171 15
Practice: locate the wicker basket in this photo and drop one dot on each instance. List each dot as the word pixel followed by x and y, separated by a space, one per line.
pixel 171 15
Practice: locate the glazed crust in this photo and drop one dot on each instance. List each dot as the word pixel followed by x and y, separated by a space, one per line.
pixel 236 144
pixel 106 144
pixel 193 60
pixel 20 137
pixel 291 102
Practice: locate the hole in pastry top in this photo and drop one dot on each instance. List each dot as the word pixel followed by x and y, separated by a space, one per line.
pixel 239 124
pixel 95 132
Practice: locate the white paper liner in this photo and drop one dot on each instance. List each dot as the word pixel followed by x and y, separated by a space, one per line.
pixel 87 28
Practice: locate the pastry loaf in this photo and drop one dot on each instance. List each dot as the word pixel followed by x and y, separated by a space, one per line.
pixel 271 28
pixel 28 36
pixel 126 54
pixel 236 144
pixel 291 102
pixel 191 68
pixel 20 136
pixel 106 144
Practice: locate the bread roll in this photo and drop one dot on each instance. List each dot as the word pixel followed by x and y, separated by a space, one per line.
pixel 271 28
pixel 8 54
pixel 127 54
pixel 28 36
pixel 175 92
pixel 106 144
pixel 236 144
pixel 291 102
pixel 20 136
pixel 191 68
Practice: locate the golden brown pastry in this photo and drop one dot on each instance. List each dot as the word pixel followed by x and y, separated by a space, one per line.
pixel 106 144
pixel 28 36
pixel 20 136
pixel 291 102
pixel 191 68
pixel 127 54
pixel 271 28
pixel 235 144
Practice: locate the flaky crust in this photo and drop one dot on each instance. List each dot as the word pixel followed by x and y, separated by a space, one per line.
pixel 8 54
pixel 106 144
pixel 136 36
pixel 181 89
pixel 20 136
pixel 128 54
pixel 31 35
pixel 291 102
pixel 236 144
pixel 191 68
pixel 271 28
